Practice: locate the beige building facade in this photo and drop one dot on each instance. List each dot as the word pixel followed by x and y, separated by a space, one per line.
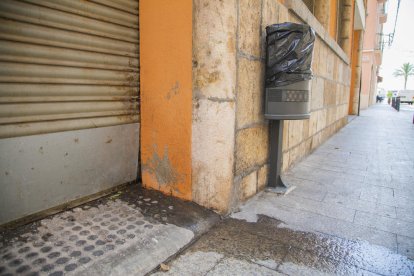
pixel 372 51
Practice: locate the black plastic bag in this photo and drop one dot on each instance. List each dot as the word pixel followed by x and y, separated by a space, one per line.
pixel 289 48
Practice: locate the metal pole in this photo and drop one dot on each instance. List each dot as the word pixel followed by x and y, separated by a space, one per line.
pixel 275 142
pixel 359 94
pixel 397 103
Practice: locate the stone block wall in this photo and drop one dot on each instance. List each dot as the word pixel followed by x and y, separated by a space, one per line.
pixel 229 132
pixel 329 96
pixel 214 107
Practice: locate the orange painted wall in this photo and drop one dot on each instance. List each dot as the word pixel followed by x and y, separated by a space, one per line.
pixel 166 95
pixel 354 63
pixel 333 6
pixel 351 31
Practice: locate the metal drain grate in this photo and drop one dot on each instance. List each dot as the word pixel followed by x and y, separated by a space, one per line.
pixel 75 239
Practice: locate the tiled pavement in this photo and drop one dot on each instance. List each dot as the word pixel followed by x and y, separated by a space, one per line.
pixel 357 185
pixel 127 233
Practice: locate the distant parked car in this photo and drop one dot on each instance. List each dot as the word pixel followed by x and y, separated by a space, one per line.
pixel 406 96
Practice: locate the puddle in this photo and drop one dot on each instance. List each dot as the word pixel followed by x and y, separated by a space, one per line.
pixel 268 243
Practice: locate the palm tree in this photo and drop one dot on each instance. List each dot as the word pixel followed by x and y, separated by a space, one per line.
pixel 407 69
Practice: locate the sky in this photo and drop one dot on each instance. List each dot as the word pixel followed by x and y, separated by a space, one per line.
pixel 402 49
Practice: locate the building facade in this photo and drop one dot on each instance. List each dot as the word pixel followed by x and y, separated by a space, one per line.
pixel 95 95
pixel 373 46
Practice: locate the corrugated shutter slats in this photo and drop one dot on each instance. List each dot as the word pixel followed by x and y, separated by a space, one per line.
pixel 67 65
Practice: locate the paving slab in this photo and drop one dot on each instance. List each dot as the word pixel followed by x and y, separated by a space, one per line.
pixel 361 205
pixel 127 233
pixel 193 263
pixel 308 191
pixel 406 246
pixel 231 266
pixel 391 225
pixel 324 208
pixel 405 214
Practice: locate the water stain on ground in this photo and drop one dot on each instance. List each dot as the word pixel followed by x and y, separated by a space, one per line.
pixel 269 240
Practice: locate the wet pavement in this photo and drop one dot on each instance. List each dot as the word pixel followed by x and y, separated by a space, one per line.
pixel 267 247
pixel 351 213
pixel 126 233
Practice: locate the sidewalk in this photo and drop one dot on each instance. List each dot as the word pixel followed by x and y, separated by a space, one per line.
pixel 352 212
pixel 358 185
pixel 128 233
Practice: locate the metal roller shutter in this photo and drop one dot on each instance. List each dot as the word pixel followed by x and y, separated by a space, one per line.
pixel 67 65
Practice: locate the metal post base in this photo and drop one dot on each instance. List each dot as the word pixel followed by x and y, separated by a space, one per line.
pixel 280 188
pixel 276 184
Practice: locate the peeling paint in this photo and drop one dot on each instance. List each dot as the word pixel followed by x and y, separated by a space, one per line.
pixel 162 169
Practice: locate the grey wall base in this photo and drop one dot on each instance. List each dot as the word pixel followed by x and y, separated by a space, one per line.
pixel 42 171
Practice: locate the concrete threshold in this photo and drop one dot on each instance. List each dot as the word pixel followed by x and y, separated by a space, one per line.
pixel 130 232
